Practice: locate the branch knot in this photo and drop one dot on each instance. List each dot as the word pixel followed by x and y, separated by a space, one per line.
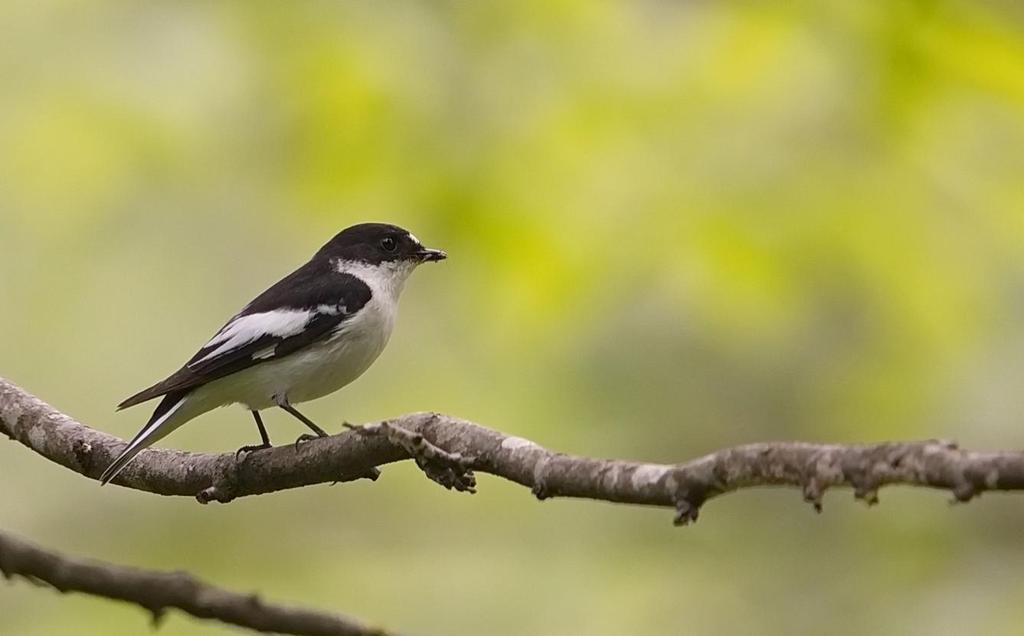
pixel 450 469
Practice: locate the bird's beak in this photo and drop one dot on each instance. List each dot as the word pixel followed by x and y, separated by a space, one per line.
pixel 428 255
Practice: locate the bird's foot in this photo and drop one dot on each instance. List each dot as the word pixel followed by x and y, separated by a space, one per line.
pixel 306 437
pixel 245 450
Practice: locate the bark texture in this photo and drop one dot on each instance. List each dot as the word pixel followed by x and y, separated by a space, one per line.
pixel 449 449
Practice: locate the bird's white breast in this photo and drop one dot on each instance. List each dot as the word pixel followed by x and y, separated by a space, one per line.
pixel 327 365
pixel 342 357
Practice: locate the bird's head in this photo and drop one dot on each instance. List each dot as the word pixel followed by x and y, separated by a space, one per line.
pixel 377 243
pixel 389 250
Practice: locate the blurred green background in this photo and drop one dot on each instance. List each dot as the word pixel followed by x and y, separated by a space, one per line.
pixel 673 227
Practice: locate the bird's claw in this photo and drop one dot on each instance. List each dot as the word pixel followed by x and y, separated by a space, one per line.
pixel 305 437
pixel 245 450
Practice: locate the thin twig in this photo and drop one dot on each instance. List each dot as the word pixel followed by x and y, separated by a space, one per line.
pixel 157 592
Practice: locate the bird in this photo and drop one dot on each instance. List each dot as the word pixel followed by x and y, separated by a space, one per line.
pixel 308 335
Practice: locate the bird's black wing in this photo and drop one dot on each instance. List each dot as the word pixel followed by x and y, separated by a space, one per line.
pixel 304 307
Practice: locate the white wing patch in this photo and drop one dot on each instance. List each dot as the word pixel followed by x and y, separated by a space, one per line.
pixel 331 310
pixel 264 354
pixel 245 329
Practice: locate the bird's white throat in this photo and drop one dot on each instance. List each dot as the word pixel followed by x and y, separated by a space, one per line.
pixel 385 280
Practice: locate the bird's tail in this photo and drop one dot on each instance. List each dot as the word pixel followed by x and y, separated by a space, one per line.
pixel 160 424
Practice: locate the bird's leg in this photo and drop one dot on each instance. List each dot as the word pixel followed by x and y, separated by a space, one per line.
pixel 263 435
pixel 283 403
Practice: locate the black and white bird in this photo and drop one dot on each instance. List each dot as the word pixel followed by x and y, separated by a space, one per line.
pixel 310 334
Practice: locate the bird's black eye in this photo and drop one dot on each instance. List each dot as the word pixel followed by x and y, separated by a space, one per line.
pixel 388 244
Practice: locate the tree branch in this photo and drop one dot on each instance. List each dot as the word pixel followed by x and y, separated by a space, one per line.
pixel 464 445
pixel 158 591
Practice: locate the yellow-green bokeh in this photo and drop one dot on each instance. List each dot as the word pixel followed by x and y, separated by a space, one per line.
pixel 673 227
